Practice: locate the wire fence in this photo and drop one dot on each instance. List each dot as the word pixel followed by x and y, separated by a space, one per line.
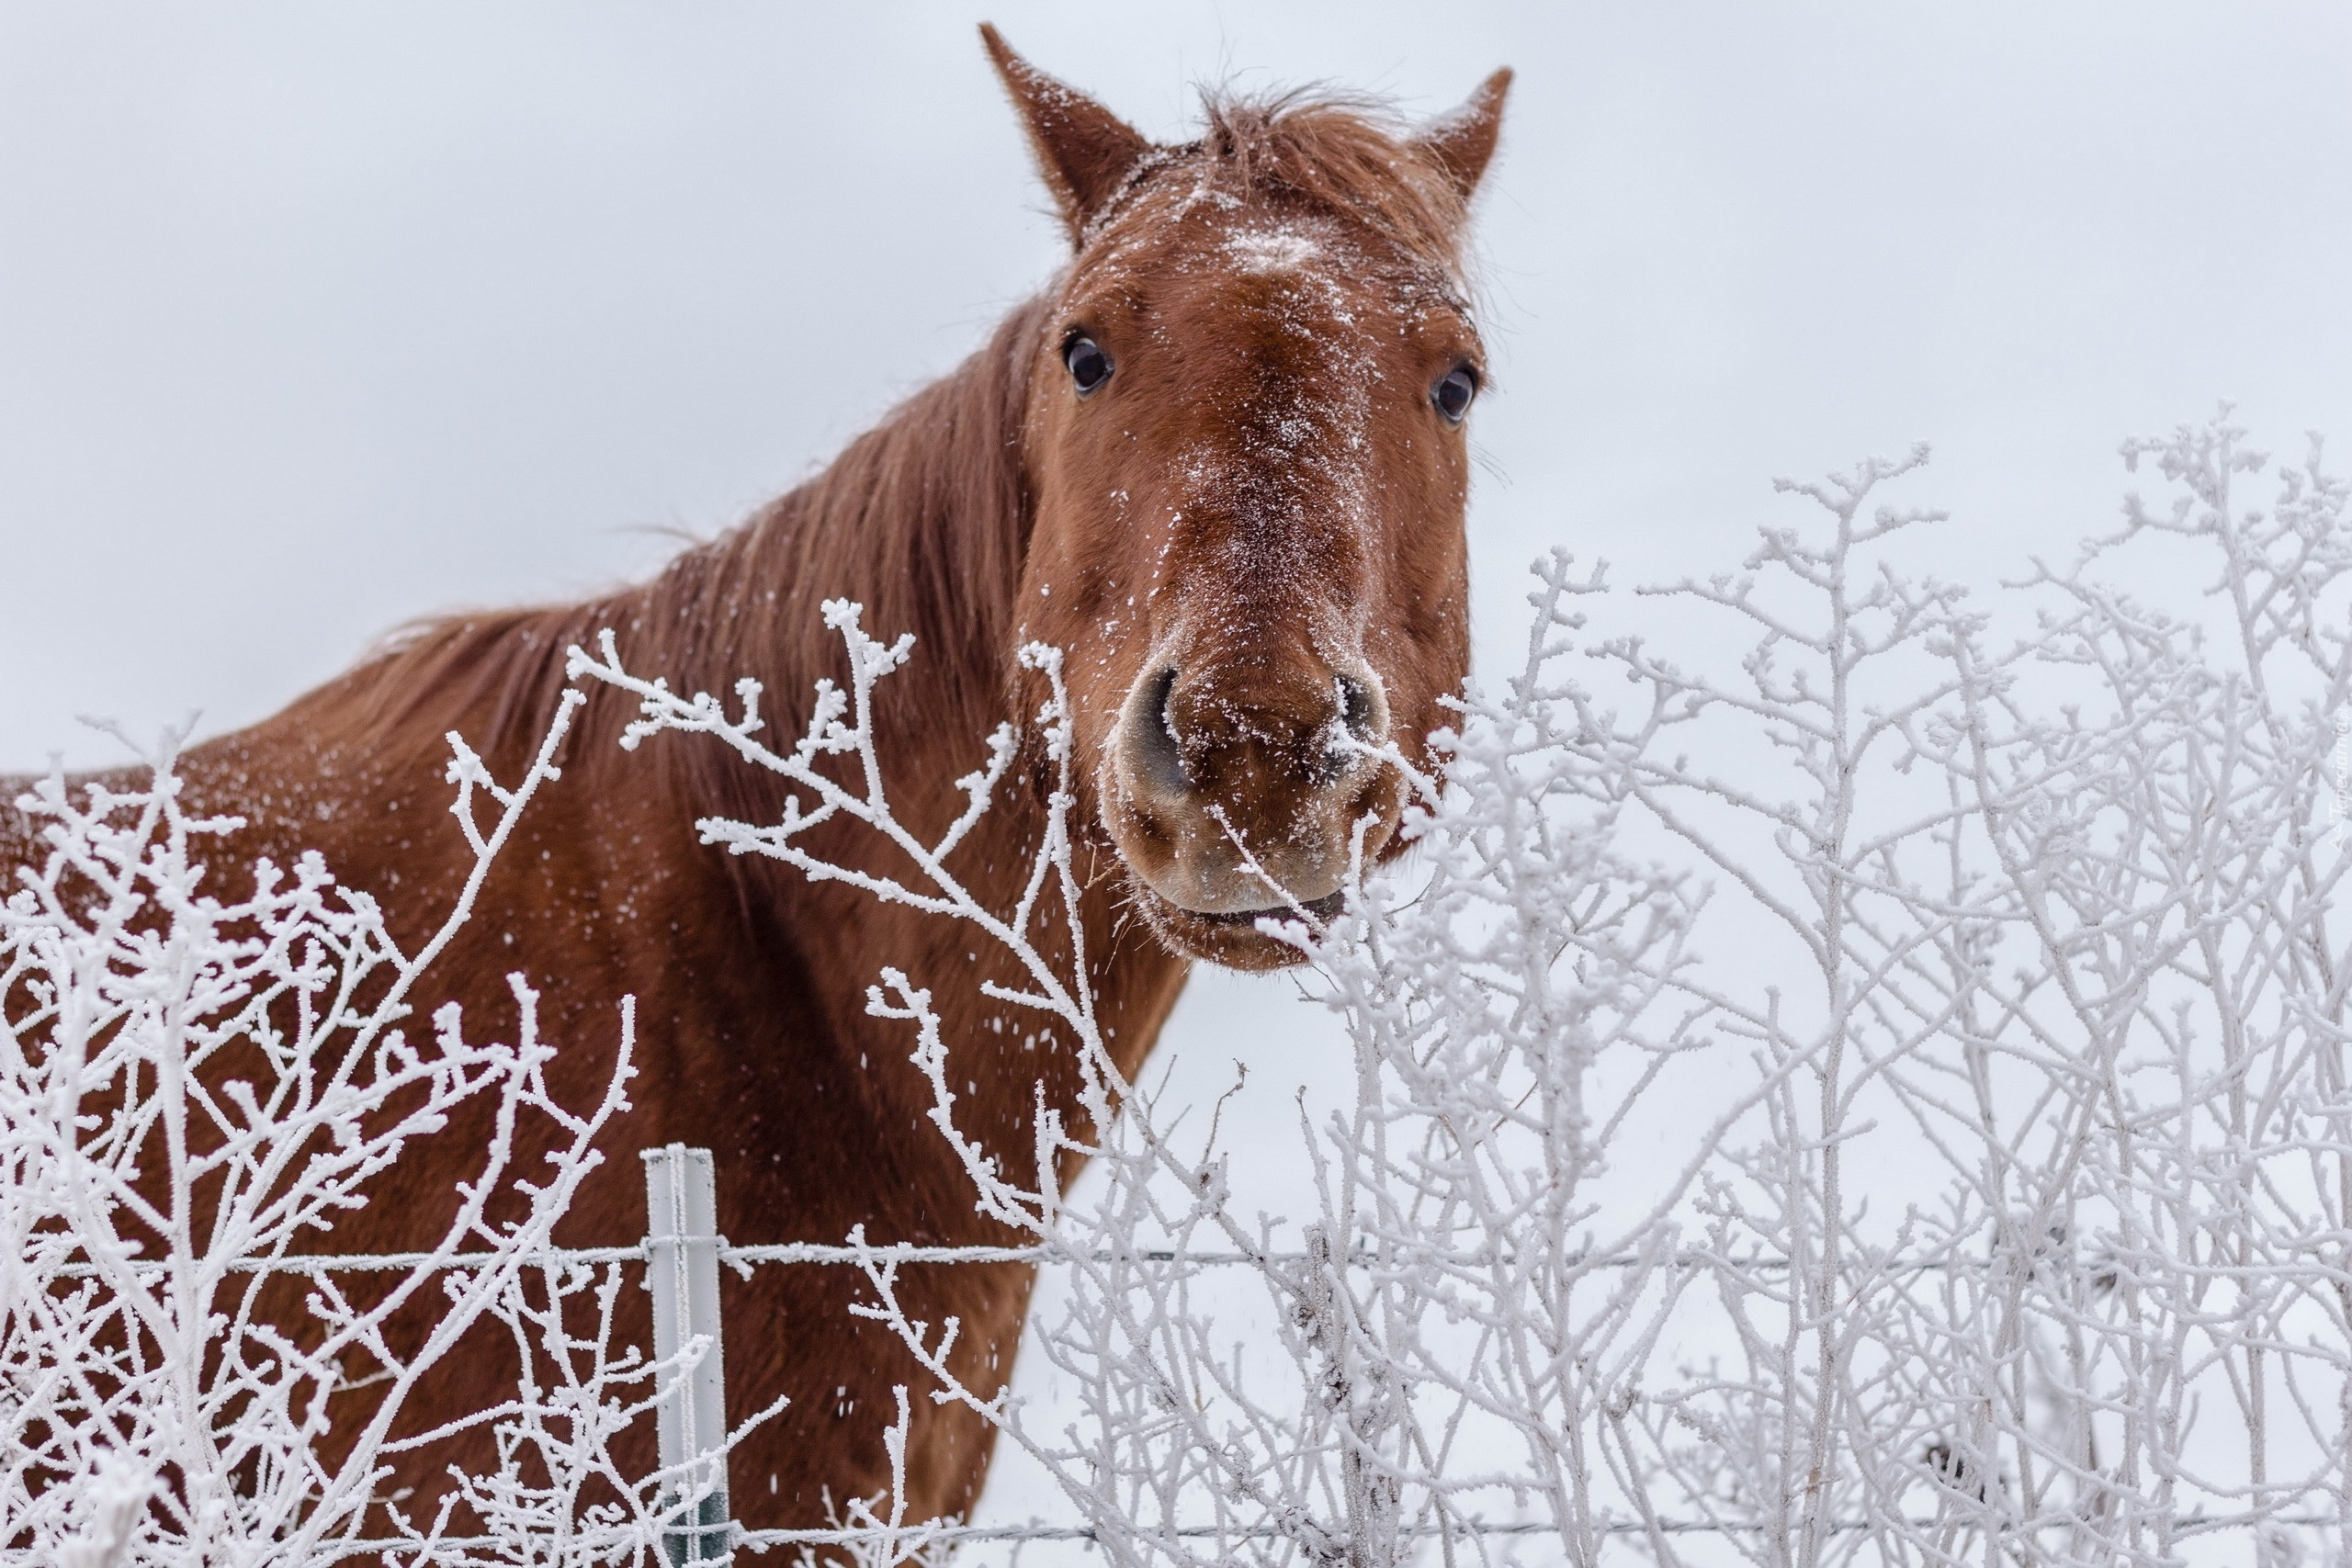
pixel 682 1254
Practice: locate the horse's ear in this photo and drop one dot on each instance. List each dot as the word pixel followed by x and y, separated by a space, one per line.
pixel 1463 142
pixel 1084 151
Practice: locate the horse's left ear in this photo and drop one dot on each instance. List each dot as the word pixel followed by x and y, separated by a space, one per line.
pixel 1085 152
pixel 1463 142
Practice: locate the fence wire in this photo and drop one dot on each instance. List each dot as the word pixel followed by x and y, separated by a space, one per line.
pixel 744 1258
pixel 911 1539
pixel 905 1541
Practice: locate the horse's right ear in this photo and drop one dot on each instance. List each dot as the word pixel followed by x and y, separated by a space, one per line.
pixel 1085 152
pixel 1463 144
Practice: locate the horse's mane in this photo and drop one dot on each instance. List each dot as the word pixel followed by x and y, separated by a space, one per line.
pixel 922 519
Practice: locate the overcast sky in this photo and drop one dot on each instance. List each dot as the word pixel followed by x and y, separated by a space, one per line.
pixel 315 318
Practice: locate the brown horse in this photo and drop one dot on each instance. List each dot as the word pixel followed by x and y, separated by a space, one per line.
pixel 1220 462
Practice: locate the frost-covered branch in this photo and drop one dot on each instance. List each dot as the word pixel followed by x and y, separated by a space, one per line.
pixel 196 1085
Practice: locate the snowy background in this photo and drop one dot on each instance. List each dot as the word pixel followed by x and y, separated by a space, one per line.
pixel 312 321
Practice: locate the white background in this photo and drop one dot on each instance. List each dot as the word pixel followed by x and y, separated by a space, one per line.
pixel 315 318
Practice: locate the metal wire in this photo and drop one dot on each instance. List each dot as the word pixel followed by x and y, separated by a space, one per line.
pixel 915 1537
pixel 742 1258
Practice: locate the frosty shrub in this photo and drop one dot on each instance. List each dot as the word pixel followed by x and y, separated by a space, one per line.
pixel 1974 999
pixel 1849 1072
pixel 2070 1002
pixel 157 1410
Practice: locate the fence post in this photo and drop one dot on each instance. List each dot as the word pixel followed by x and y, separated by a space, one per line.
pixel 682 1270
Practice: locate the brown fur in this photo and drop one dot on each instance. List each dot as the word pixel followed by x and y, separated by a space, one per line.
pixel 1260 497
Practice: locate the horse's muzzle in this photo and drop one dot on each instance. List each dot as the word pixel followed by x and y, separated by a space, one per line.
pixel 1244 790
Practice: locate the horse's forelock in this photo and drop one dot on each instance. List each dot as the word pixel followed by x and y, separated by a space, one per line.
pixel 1351 156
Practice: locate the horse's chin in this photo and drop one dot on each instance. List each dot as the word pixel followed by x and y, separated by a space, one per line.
pixel 1232 939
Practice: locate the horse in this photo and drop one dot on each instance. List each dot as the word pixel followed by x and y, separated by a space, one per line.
pixel 1220 461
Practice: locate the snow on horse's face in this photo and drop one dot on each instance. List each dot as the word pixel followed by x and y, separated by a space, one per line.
pixel 1245 444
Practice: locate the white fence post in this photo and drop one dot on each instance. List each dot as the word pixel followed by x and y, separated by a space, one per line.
pixel 682 1270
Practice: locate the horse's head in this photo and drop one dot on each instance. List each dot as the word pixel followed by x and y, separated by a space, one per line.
pixel 1245 450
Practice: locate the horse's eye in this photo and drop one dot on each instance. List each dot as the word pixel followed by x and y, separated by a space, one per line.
pixel 1089 366
pixel 1453 395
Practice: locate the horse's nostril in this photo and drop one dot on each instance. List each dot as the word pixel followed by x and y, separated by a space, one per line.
pixel 1356 708
pixel 1153 737
pixel 1360 725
